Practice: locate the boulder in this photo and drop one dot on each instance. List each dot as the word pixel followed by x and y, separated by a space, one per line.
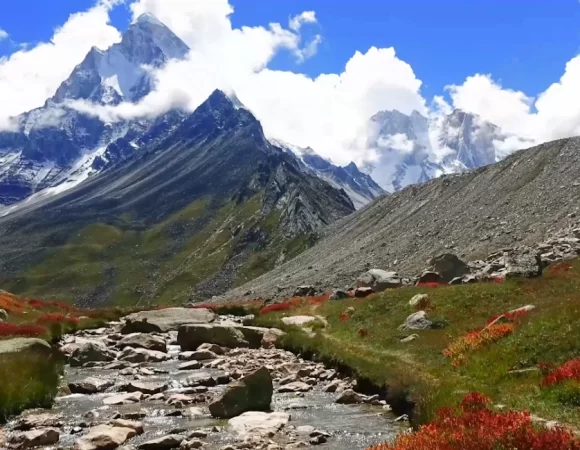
pixel 104 437
pixel 251 393
pixel 89 386
pixel 299 321
pixel 417 321
pixel 138 355
pixel 203 355
pixel 124 399
pixel 163 443
pixel 296 386
pixel 350 397
pixel 261 423
pixel 430 277
pixel 379 280
pixel 32 421
pixel 190 337
pixel 305 291
pixel 164 320
pixel 146 388
pixel 3 315
pixel 362 292
pixel 523 263
pixel 271 337
pixel 31 345
pixel 338 294
pixel 254 335
pixel 190 365
pixel 448 266
pixel 91 351
pixel 143 340
pixel 124 423
pixel 212 348
pixel 35 438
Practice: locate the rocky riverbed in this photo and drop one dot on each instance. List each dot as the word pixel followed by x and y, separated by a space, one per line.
pixel 164 389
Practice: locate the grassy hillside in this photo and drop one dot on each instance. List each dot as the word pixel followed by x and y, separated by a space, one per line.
pixel 171 262
pixel 509 361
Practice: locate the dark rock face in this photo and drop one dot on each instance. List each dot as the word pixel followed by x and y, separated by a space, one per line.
pixel 251 393
pixel 449 266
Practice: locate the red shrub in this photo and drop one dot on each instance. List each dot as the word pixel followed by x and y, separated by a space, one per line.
pixel 497 280
pixel 509 315
pixel 567 371
pixel 363 333
pixel 429 284
pixel 472 426
pixel 284 306
pixel 319 299
pixel 11 329
pixel 10 304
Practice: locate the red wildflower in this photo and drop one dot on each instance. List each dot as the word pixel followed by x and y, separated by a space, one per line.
pixel 8 329
pixel 567 371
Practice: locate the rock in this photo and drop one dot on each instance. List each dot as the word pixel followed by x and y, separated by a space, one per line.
pixel 410 338
pixel 430 277
pixel 349 397
pixel 258 422
pixel 163 443
pixel 191 365
pixel 305 291
pixel 3 315
pixel 526 308
pixel 419 299
pixel 317 440
pixel 146 388
pixel 92 351
pixel 296 386
pixel 90 386
pixel 339 294
pixel 212 348
pixel 417 321
pixel 254 335
pixel 271 337
pixel 138 355
pixel 104 437
pixel 38 421
pixel 251 393
pixel 31 345
pixel 298 321
pixel 379 280
pixel 333 386
pixel 448 266
pixel 190 337
pixel 363 292
pixel 456 281
pixel 35 438
pixel 123 423
pixel 123 399
pixel 164 320
pixel 143 340
pixel 523 263
pixel 203 355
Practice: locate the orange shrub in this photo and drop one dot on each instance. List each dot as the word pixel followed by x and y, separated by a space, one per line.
pixel 473 426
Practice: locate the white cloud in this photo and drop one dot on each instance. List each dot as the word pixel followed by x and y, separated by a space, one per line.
pixel 296 22
pixel 3 34
pixel 29 76
pixel 397 141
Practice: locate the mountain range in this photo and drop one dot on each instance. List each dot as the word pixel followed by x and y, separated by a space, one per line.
pixel 186 205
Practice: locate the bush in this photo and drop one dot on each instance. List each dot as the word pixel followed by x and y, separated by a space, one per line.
pixel 473 426
pixel 27 381
pixel 8 329
pixel 567 371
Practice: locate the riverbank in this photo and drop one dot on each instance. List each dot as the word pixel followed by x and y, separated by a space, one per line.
pixel 430 346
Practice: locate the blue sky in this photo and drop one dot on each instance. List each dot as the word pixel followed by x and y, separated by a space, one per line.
pixel 522 43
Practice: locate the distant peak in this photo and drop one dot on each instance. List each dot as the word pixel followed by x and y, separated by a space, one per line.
pixel 148 18
pixel 352 169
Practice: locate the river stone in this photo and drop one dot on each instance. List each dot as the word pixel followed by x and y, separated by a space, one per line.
pixel 35 438
pixel 104 437
pixel 379 280
pixel 164 320
pixel 417 321
pixel 38 421
pixel 124 423
pixel 448 266
pixel 146 388
pixel 124 399
pixel 143 340
pixel 296 386
pixel 191 365
pixel 251 393
pixel 91 351
pixel 271 337
pixel 349 397
pixel 90 385
pixel 18 345
pixel 203 355
pixel 258 422
pixel 137 355
pixel 212 348
pixel 163 443
pixel 190 337
pixel 254 335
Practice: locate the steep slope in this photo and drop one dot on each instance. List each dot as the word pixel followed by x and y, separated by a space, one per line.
pixel 519 200
pixel 412 149
pixel 55 146
pixel 360 187
pixel 209 206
